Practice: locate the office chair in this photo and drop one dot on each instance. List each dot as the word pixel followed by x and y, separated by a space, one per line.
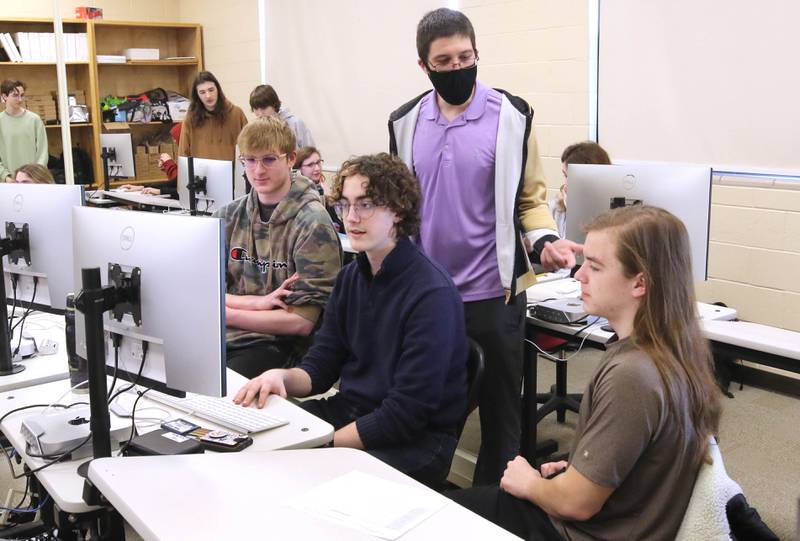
pixel 557 399
pixel 475 366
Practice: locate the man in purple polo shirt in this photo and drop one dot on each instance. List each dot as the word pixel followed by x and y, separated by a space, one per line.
pixel 483 203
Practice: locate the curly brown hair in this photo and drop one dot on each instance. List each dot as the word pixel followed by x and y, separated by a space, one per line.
pixel 391 185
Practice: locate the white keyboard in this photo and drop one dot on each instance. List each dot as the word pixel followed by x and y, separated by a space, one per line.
pixel 221 411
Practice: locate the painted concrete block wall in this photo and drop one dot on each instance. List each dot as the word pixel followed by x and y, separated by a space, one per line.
pixel 230 43
pixel 538 50
pixel 754 250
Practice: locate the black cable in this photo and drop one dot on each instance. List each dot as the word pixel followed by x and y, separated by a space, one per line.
pixel 28 310
pixel 25 494
pixel 133 420
pixel 138 375
pixel 116 339
pixel 13 278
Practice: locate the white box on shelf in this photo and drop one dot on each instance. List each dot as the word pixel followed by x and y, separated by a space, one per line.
pixel 110 59
pixel 141 54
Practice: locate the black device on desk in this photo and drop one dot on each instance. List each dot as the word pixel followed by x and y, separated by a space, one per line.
pixel 163 442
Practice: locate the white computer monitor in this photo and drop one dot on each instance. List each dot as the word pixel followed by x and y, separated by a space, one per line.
pixel 182 295
pixel 683 190
pixel 46 210
pixel 121 166
pixel 221 185
pixel 240 184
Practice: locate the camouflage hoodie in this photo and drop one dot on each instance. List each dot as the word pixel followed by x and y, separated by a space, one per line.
pixel 299 237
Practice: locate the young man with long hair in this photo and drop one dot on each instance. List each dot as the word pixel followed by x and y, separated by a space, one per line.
pixel 212 123
pixel 649 409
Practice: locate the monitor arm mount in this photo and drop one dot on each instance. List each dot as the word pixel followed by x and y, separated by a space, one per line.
pixel 15 245
pixel 108 154
pixel 122 296
pixel 195 184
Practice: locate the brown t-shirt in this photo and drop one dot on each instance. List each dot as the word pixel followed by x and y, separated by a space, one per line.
pixel 627 440
pixel 214 139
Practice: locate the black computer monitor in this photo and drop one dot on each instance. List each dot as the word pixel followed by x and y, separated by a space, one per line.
pixel 36 267
pixel 176 317
pixel 683 190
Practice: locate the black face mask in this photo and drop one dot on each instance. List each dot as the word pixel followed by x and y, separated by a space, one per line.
pixel 455 87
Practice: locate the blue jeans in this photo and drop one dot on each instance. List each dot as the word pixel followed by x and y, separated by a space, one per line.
pixel 426 459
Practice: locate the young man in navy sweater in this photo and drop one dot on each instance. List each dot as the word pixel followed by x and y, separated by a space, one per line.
pixel 393 332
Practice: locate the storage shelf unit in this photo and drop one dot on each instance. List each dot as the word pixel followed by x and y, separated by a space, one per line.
pixel 180 48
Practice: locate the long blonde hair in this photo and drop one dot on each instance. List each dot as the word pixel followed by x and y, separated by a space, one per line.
pixel 653 242
pixel 39 174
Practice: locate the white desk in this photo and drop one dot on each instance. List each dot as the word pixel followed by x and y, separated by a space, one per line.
pixel 65 485
pixel 136 198
pixel 247 496
pixel 569 288
pixel 40 368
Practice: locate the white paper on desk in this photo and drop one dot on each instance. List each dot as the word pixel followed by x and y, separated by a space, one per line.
pixel 376 506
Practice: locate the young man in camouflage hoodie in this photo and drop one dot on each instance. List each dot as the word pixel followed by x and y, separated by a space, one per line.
pixel 282 255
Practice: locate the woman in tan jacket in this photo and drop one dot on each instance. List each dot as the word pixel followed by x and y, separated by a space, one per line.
pixel 212 124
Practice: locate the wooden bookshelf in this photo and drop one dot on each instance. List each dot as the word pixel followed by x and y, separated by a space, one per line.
pixel 180 48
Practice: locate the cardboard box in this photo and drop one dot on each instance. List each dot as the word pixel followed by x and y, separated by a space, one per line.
pixel 116 127
pixel 152 149
pixel 141 150
pixel 167 148
pixel 142 165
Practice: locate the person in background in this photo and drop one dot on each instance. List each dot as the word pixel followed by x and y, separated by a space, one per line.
pixel 23 139
pixel 309 164
pixel 264 101
pixel 584 152
pixel 167 164
pixel 212 123
pixel 649 410
pixel 475 153
pixel 392 333
pixel 33 173
pixel 282 255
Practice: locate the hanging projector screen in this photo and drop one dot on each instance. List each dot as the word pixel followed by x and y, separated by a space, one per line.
pixel 713 82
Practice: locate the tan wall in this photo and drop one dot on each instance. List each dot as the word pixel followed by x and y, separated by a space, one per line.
pixel 538 50
pixel 124 10
pixel 754 250
pixel 230 43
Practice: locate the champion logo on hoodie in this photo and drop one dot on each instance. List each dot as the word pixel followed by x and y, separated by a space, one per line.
pixel 240 254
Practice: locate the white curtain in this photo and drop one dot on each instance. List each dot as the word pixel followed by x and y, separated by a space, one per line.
pixel 343 65
pixel 712 82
